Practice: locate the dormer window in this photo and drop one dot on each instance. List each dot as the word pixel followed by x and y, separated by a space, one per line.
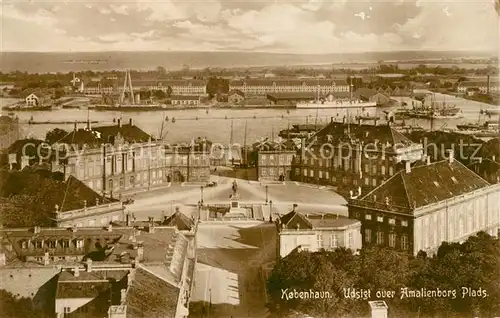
pixel 65 243
pixel 51 244
pixel 24 245
pixel 38 244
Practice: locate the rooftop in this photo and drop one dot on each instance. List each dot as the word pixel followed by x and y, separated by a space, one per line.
pixel 425 185
pixel 288 82
pixel 296 220
pixel 356 133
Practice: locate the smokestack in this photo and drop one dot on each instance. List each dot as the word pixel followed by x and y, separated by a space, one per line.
pixel 119 122
pixel 407 167
pixel 130 122
pixel 428 160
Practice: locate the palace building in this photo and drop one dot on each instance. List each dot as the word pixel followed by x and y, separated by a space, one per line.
pixel 268 86
pixel 422 206
pixel 349 156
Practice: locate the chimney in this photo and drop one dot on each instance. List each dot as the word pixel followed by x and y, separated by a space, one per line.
pixel 110 227
pixel 3 259
pixel 74 127
pixel 46 259
pixel 451 156
pixel 480 160
pixel 130 122
pixel 123 296
pixel 294 207
pixel 151 228
pixel 89 265
pixel 127 218
pixel 140 253
pixel 378 308
pixel 177 210
pixel 428 160
pixel 493 158
pixel 119 123
pixel 76 271
pixel 407 166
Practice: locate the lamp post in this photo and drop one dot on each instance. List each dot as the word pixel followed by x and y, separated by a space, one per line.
pixel 201 189
pixel 266 193
pixel 271 211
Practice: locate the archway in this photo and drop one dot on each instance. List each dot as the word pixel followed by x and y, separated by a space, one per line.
pixel 178 177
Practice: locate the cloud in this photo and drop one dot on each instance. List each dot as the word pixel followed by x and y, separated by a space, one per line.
pixel 302 26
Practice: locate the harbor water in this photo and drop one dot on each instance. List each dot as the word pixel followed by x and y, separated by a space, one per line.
pixel 215 124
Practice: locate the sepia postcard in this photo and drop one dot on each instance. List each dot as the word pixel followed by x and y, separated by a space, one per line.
pixel 249 159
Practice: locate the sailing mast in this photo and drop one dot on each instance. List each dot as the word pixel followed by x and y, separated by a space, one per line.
pixel 245 147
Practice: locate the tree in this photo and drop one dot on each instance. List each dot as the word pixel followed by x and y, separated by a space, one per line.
pixel 169 91
pixel 55 135
pixel 159 94
pixel 217 86
pixel 161 71
pixel 18 307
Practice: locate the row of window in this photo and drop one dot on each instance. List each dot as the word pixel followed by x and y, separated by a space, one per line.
pixel 380 237
pixel 64 243
pixel 391 221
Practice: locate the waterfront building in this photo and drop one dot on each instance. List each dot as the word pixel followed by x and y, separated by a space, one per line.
pixel 32 100
pixel 487 168
pixel 177 87
pixel 316 232
pixel 144 269
pixel 483 87
pixel 268 86
pixel 123 158
pixel 274 159
pixel 185 100
pixel 235 96
pixel 10 131
pixel 422 206
pixel 349 156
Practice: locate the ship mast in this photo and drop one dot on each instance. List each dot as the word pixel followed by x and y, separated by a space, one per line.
pixel 245 147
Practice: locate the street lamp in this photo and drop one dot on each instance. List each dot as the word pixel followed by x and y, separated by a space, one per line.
pixel 271 211
pixel 266 193
pixel 201 188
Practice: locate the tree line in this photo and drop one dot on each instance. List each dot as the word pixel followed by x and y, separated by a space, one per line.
pixel 470 269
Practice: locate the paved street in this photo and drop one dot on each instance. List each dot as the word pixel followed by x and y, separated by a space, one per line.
pixel 229 280
pixel 163 201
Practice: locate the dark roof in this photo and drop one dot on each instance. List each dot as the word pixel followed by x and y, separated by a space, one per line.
pixel 69 194
pixel 293 219
pixel 236 91
pixel 180 220
pixel 166 83
pixel 384 134
pixel 292 95
pixel 485 165
pixel 426 184
pixel 106 134
pixel 81 289
pixel 269 145
pixel 365 92
pixel 151 296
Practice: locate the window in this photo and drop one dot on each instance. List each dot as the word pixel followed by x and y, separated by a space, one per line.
pixel 132 180
pixel 38 244
pixel 374 182
pixel 368 216
pixel 67 310
pixel 327 175
pixel 51 244
pixel 110 183
pixel 104 221
pixel 392 221
pixel 334 179
pixel 367 181
pixel 382 170
pixel 392 240
pixel 65 243
pixel 380 238
pixel 404 223
pixel 350 239
pixel 391 171
pixel 367 168
pixel 368 235
pixel 380 219
pixel 79 243
pixel 374 169
pixel 333 240
pixel 311 173
pixel 320 240
pixel 122 183
pixel 404 242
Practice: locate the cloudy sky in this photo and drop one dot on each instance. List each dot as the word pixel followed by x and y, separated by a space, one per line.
pixel 293 26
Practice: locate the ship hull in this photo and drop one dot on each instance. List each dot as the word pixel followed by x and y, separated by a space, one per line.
pixel 128 108
pixel 337 105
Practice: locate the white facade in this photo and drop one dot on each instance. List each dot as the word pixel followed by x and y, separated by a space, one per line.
pixel 456 219
pixel 32 100
pixel 273 87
